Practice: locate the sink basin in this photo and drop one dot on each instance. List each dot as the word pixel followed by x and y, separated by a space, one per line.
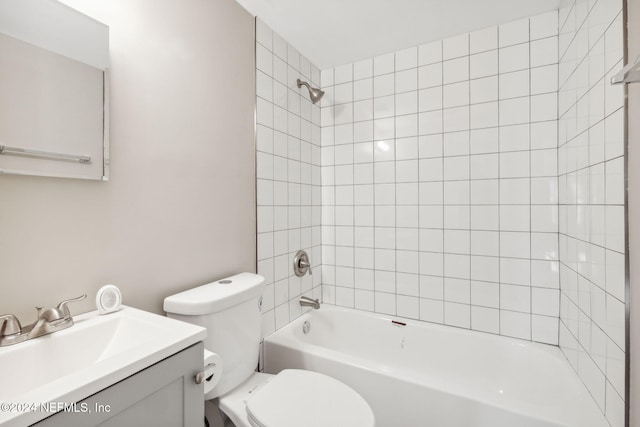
pixel 72 364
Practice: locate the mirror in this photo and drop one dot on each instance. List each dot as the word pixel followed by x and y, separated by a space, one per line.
pixel 54 85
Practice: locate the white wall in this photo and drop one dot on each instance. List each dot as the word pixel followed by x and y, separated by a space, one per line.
pixel 633 99
pixel 288 176
pixel 179 210
pixel 440 181
pixel 591 177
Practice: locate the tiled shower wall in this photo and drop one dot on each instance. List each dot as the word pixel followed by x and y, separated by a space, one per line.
pixel 288 176
pixel 439 181
pixel 591 199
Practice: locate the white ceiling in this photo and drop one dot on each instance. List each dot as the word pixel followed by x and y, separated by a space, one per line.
pixel 335 32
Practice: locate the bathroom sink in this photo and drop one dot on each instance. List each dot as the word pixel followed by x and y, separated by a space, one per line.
pixel 72 364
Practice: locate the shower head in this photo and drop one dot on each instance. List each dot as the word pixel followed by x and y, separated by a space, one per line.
pixel 314 94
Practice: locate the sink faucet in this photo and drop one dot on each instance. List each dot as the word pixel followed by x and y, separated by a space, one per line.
pixel 308 302
pixel 48 321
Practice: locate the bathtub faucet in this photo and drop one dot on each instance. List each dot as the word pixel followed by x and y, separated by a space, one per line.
pixel 308 302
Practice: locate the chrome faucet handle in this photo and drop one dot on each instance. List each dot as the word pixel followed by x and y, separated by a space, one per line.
pixel 63 306
pixel 9 325
pixel 305 264
pixel 301 264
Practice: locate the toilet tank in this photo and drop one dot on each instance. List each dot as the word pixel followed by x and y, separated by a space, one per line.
pixel 230 309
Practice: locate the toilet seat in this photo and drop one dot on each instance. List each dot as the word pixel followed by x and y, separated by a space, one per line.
pixel 297 397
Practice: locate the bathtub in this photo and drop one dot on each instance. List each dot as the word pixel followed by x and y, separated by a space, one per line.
pixel 417 374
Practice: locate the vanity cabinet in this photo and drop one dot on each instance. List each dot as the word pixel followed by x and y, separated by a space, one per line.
pixel 164 394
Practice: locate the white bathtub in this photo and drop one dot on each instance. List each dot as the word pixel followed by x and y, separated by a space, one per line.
pixel 427 375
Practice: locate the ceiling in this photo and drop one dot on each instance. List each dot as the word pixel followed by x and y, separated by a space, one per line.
pixel 335 32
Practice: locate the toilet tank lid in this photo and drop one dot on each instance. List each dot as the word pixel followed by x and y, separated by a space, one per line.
pixel 215 296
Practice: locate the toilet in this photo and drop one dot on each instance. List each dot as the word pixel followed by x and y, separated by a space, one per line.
pixel 230 309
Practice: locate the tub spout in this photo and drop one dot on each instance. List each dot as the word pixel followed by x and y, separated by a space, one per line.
pixel 308 302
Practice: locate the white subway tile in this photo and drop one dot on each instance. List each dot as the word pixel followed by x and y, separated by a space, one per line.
pixel 513 33
pixel 545 273
pixel 455 95
pixel 343 74
pixel 456 192
pixel 364 300
pixel 544 329
pixel 326 77
pixel 431 217
pixel 406 103
pixel 484 166
pixel 430 53
pixel 483 64
pixel 430 122
pixel 406 171
pixel 544 134
pixel 485 217
pixel 483 40
pixel 544 79
pixel 484 192
pixel 430 75
pixel 456 143
pixel 485 319
pixel 515 298
pixel 383 64
pixel 483 141
pixel 544 25
pixel 385 303
pixel 514 111
pixel 544 190
pixel 484 90
pixel 363 110
pixel 406 126
pixel 455 47
pixel 343 93
pixel 514 84
pixel 485 294
pixel 515 244
pixel 514 218
pixel 363 89
pixel 431 240
pixel 456 119
pixel 544 107
pixel 485 243
pixel 406 59
pixel 363 69
pixel 514 164
pixel 544 163
pixel 406 81
pixel 457 217
pixel 484 115
pixel 432 310
pixel 544 52
pixel 383 85
pixel 430 99
pixel 514 324
pixel 457 315
pixel 383 129
pixel 363 131
pixel 514 58
pixel 455 70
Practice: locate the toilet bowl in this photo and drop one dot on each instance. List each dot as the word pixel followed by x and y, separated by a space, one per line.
pixel 230 310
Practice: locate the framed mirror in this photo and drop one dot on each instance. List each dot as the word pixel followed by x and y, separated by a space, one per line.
pixel 54 106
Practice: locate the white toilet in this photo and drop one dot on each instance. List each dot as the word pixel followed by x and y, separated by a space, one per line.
pixel 230 310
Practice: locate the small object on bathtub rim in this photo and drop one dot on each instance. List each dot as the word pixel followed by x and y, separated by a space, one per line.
pixel 108 299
